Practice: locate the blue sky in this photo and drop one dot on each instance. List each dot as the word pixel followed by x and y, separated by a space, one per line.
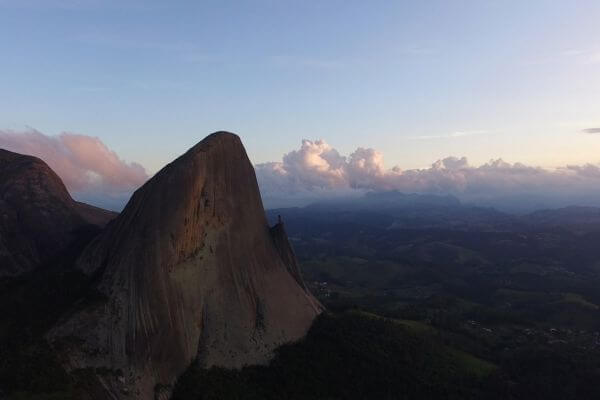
pixel 418 81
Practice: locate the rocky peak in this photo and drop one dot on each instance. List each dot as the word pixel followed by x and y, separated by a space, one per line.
pixel 191 272
pixel 39 219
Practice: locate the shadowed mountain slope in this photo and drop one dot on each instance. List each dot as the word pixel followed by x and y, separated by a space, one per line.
pixel 38 217
pixel 188 271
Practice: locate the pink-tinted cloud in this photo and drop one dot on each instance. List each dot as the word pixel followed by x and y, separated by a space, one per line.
pixel 317 170
pixel 85 164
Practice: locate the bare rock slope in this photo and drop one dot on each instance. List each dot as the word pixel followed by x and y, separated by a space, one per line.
pixel 190 271
pixel 38 217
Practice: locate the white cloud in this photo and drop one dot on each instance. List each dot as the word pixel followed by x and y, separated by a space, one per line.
pixel 293 61
pixel 317 170
pixel 451 135
pixel 588 56
pixel 89 169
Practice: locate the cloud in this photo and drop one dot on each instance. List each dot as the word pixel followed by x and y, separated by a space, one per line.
pixel 587 56
pixel 78 5
pixel 89 169
pixel 318 170
pixel 586 171
pixel 417 50
pixel 51 4
pixel 591 130
pixel 451 135
pixel 304 62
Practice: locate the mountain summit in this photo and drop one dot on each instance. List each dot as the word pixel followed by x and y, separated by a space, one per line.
pixel 38 217
pixel 189 271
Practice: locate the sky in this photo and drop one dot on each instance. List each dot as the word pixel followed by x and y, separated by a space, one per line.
pixel 417 82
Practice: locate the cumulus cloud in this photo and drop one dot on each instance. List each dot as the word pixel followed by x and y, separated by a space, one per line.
pixel 586 171
pixel 591 130
pixel 94 173
pixel 89 169
pixel 317 170
pixel 315 164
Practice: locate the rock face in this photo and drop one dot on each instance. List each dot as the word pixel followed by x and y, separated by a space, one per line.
pixel 38 217
pixel 190 271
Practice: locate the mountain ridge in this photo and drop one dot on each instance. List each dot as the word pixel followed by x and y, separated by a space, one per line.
pixel 40 219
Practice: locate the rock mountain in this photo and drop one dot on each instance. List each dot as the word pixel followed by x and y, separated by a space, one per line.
pixel 38 217
pixel 189 272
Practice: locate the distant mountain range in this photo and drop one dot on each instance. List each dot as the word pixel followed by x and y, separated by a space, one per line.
pixel 397 210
